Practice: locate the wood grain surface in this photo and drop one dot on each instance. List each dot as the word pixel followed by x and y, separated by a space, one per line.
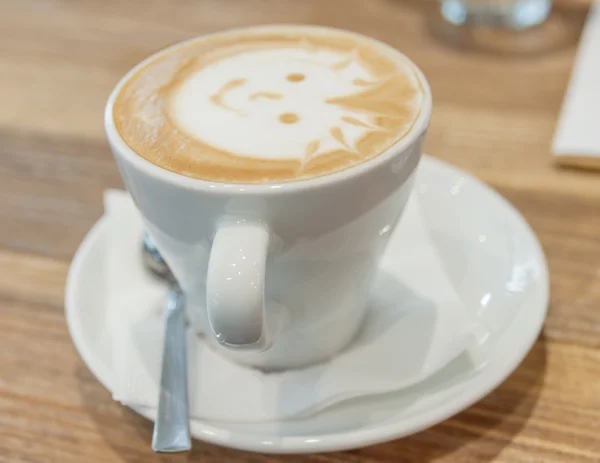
pixel 494 115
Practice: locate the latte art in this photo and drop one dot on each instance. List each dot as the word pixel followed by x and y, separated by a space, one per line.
pixel 269 104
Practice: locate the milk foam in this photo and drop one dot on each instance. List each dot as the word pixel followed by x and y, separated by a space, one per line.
pixel 269 104
pixel 237 104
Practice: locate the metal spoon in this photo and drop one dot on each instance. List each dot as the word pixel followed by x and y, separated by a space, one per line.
pixel 172 426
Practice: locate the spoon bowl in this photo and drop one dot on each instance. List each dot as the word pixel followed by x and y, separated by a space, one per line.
pixel 154 261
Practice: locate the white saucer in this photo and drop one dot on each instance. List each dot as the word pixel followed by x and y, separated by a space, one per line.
pixel 499 270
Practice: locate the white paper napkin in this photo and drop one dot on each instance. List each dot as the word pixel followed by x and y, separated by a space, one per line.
pixel 416 325
pixel 577 139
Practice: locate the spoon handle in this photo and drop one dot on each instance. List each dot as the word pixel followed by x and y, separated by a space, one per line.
pixel 172 426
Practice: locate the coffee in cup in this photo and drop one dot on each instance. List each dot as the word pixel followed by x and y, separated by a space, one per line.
pixel 269 105
pixel 271 165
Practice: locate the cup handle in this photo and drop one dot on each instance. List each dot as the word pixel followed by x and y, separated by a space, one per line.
pixel 235 286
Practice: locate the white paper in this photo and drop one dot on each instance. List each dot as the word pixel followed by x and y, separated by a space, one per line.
pixel 577 138
pixel 416 325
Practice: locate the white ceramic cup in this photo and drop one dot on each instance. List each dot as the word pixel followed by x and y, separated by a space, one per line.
pixel 279 273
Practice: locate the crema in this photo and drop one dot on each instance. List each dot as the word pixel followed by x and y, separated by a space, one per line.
pixel 269 104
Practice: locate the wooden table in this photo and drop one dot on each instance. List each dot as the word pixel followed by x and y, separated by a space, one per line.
pixel 494 116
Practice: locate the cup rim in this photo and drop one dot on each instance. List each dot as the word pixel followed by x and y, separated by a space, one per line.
pixel 215 187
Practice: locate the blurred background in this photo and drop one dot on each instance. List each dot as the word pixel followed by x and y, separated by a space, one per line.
pixel 498 93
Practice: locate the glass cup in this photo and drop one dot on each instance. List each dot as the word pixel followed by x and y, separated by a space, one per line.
pixel 509 14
